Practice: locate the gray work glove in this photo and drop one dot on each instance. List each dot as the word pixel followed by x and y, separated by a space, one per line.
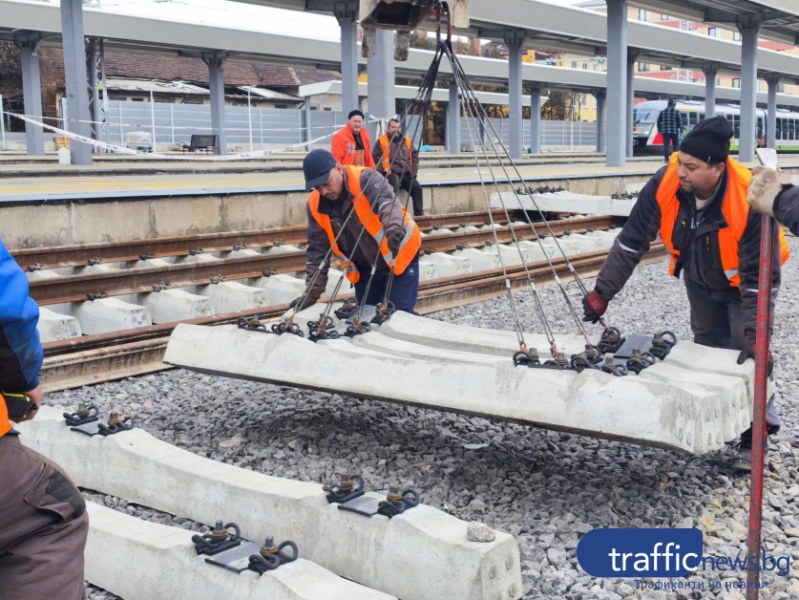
pixel 764 188
pixel 395 240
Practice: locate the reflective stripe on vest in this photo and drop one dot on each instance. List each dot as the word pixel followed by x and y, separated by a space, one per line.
pixel 387 155
pixel 734 208
pixel 409 247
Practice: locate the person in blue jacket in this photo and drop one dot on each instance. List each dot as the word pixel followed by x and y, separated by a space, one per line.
pixel 43 520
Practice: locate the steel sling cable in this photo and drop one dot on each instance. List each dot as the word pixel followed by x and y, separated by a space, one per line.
pixel 428 85
pixel 468 110
pixel 325 315
pixel 460 73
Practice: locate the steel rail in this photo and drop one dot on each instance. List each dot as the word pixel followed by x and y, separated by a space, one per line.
pixel 77 288
pixel 89 254
pixel 119 354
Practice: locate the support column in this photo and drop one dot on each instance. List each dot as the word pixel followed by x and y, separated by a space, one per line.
pixel 347 15
pixel 453 141
pixel 600 120
pixel 216 83
pixel 773 81
pixel 535 120
pixel 710 90
pixel 32 95
pixel 746 139
pixel 75 75
pixel 514 41
pixel 617 83
pixel 628 132
pixel 381 80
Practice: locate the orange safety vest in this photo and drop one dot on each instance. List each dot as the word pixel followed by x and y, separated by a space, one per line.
pixel 734 208
pixel 383 141
pixel 5 422
pixel 409 247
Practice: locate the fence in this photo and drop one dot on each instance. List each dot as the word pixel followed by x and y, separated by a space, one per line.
pixel 251 127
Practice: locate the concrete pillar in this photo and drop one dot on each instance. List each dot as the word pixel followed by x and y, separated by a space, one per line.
pixel 773 81
pixel 381 79
pixel 515 42
pixel 535 120
pixel 628 132
pixel 617 83
pixel 75 76
pixel 453 120
pixel 216 83
pixel 710 90
pixel 347 16
pixel 746 139
pixel 600 96
pixel 32 95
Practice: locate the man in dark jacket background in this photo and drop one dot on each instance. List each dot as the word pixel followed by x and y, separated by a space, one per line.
pixel 43 520
pixel 698 203
pixel 670 126
pixel 393 155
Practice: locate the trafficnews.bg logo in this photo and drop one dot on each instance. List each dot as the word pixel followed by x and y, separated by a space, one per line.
pixel 643 553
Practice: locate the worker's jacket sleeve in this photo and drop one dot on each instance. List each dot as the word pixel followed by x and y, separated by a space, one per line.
pixel 383 200
pixel 377 157
pixel 786 208
pixel 338 146
pixel 318 248
pixel 633 241
pixel 749 269
pixel 20 348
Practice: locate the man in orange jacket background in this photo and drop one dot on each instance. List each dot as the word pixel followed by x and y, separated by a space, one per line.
pixel 351 144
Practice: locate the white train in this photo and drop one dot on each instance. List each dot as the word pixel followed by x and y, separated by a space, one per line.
pixel 646 136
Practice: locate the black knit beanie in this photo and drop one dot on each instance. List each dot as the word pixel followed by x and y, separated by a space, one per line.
pixel 709 140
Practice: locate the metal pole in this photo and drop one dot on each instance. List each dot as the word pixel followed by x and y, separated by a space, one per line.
pixel 172 122
pixel 2 124
pixel 761 394
pixel 152 117
pixel 773 82
pixel 73 42
pixel 616 134
pixel 32 95
pixel 249 117
pixel 746 139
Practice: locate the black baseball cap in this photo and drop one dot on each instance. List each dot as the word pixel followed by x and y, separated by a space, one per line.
pixel 316 167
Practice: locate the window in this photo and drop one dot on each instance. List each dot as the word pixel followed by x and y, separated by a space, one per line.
pixel 713 31
pixel 736 82
pixel 585 66
pixel 664 17
pixel 736 36
pixel 643 14
pixel 574 64
pixel 665 67
pixel 643 67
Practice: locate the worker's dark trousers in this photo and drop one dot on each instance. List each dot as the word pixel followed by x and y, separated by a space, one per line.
pixel 717 321
pixel 670 143
pixel 43 527
pixel 410 184
pixel 404 288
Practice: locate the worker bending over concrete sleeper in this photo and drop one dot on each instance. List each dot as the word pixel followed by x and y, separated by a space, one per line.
pixel 698 204
pixel 355 212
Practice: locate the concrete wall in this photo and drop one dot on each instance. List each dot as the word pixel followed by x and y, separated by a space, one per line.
pixel 86 222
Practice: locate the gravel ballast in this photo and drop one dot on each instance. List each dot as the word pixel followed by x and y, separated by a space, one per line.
pixel 545 488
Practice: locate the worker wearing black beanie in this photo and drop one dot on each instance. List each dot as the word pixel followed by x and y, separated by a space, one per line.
pixel 698 205
pixel 709 141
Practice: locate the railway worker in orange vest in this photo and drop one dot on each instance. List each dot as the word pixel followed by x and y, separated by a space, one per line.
pixel 43 520
pixel 393 155
pixel 698 204
pixel 351 143
pixel 354 215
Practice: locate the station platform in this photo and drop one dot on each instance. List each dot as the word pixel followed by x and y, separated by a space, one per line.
pixel 185 180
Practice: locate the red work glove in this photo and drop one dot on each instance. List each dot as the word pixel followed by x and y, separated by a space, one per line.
pixel 594 306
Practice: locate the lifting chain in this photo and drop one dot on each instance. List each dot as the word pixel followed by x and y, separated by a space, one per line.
pixel 323 329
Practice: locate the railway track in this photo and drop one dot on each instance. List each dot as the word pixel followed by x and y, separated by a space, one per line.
pixel 117 354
